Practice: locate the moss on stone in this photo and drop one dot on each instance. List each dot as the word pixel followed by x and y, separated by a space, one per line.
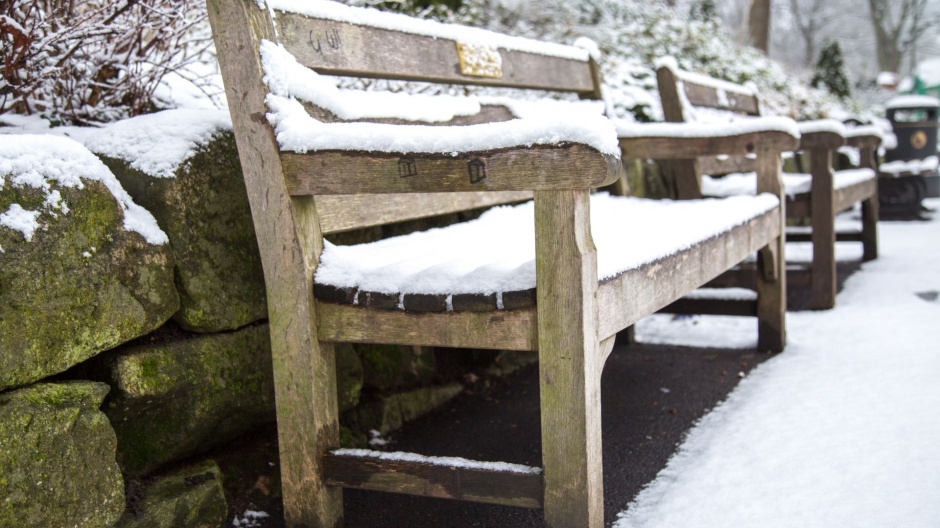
pixel 181 397
pixel 57 457
pixel 81 285
pixel 191 497
pixel 205 213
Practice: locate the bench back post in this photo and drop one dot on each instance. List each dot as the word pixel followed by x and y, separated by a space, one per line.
pixel 686 173
pixel 290 245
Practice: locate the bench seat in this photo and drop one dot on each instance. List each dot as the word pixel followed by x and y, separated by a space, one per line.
pixel 482 262
pixel 794 184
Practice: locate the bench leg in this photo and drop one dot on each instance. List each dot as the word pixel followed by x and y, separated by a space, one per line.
pixel 771 298
pixel 870 228
pixel 569 360
pixel 823 273
pixel 771 263
pixel 308 426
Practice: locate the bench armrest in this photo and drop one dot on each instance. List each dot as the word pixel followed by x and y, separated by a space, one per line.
pixel 823 140
pixel 864 140
pixel 693 146
pixel 535 168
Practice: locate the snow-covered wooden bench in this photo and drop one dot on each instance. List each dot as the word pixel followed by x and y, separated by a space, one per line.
pixel 561 275
pixel 816 196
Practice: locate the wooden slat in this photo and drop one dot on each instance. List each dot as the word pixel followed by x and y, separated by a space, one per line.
pixel 571 166
pixel 570 360
pixel 845 197
pixel 863 141
pixel 340 48
pixel 821 140
pixel 344 212
pixel 725 165
pixel 739 307
pixel 304 368
pixel 434 480
pixel 687 147
pixel 627 298
pixel 499 330
pixel 743 275
pixel 799 206
pixel 737 101
pixel 843 236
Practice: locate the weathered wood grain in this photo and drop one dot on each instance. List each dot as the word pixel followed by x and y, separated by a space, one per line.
pixel 345 212
pixel 433 480
pixel 498 330
pixel 339 48
pixel 570 166
pixel 570 360
pixel 304 368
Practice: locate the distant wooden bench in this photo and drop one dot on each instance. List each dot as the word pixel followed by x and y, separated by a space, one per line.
pixel 526 277
pixel 815 197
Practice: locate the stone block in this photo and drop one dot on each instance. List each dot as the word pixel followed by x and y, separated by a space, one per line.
pixel 57 457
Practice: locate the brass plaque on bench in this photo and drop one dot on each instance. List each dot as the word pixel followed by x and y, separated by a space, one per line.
pixel 480 61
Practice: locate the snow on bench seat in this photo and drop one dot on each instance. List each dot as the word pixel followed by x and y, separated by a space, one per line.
pixel 495 254
pixel 736 184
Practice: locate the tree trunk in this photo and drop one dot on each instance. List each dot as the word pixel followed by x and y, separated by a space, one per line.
pixel 886 48
pixel 758 25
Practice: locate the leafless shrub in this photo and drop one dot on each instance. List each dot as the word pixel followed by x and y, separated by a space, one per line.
pixel 97 60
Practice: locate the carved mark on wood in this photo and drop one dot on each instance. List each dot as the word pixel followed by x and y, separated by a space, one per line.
pixel 332 40
pixel 476 168
pixel 407 168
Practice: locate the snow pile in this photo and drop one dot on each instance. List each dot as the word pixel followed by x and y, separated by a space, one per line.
pixel 297 131
pixel 42 162
pixel 157 144
pixel 836 430
pixel 496 252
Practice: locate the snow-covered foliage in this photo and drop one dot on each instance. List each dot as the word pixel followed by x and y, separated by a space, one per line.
pixel 95 61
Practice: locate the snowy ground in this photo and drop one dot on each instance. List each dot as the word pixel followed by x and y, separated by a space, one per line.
pixel 841 429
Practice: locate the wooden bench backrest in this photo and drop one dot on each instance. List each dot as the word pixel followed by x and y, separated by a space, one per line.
pixel 681 92
pixel 347 48
pixel 332 47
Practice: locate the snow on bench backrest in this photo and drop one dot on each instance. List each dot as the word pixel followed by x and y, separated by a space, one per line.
pixel 336 39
